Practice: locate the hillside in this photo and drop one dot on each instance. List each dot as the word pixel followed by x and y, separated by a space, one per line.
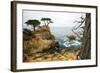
pixel 38 40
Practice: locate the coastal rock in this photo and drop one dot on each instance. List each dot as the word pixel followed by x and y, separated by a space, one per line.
pixel 43 39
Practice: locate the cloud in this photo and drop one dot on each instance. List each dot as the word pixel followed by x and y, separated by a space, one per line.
pixel 60 19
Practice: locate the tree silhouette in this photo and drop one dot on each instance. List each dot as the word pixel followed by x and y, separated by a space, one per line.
pixel 85 51
pixel 34 23
pixel 78 26
pixel 47 21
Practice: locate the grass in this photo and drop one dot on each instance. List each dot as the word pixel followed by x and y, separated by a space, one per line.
pixel 49 55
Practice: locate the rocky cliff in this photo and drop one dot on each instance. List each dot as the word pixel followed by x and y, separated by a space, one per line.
pixel 38 40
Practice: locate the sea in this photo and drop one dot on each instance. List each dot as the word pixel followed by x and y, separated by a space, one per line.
pixel 61 33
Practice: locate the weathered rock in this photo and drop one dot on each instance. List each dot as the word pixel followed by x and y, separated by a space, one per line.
pixel 43 40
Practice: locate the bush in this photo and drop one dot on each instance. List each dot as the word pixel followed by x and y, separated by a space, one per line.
pixel 71 37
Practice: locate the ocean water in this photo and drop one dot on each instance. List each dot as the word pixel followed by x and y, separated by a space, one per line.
pixel 61 34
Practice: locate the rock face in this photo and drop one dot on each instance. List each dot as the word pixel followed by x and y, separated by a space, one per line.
pixel 39 40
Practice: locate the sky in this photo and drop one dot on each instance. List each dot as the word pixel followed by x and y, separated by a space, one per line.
pixel 60 19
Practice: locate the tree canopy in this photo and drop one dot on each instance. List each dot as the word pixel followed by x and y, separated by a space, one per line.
pixel 47 21
pixel 34 23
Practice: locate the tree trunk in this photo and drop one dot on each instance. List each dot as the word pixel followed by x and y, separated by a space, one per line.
pixel 34 28
pixel 85 52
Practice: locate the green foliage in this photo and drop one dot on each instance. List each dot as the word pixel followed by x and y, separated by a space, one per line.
pixel 34 23
pixel 47 21
pixel 27 31
pixel 71 37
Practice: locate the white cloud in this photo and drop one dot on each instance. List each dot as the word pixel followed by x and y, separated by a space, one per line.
pixel 60 19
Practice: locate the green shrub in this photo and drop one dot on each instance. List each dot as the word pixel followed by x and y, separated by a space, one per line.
pixel 71 37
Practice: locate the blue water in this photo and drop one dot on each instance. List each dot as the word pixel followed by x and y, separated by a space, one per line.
pixel 60 34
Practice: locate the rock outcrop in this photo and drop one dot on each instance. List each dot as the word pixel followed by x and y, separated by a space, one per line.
pixel 39 40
